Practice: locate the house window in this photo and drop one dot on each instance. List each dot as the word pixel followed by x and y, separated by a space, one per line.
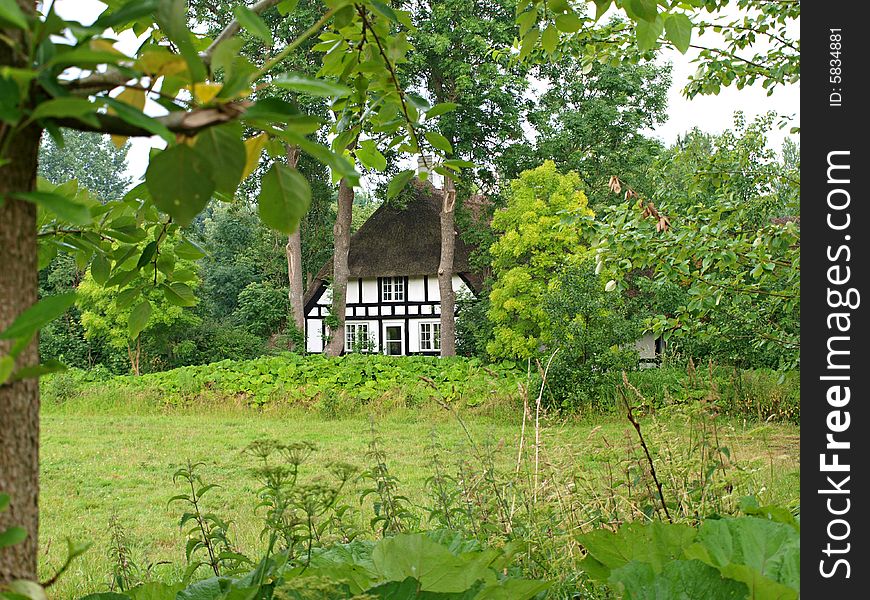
pixel 430 336
pixel 393 289
pixel 356 337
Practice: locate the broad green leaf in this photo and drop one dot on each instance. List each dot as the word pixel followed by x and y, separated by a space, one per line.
pixel 254 24
pixel 125 298
pixel 100 268
pixel 285 7
pixel 370 156
pixel 136 117
pixel 641 10
pixel 648 33
pixel 172 19
pixel 39 315
pixel 11 15
pixel 285 196
pixel 433 565
pixel 528 43
pixel 131 11
pixel 311 86
pixel 189 250
pixel 223 148
pixel 440 109
pixel 385 10
pixel 179 294
pixel 5 499
pixel 601 7
pixel 512 589
pixel 678 580
pixel 439 141
pixel 181 182
pixel 35 371
pixel 271 109
pixel 550 39
pixel 678 29
pixel 655 543
pixel 139 318
pixel 398 183
pixel 147 254
pixel 63 107
pixel 568 23
pixel 458 164
pixel 68 210
pixel 12 536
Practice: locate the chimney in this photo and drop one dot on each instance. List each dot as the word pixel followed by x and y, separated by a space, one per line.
pixel 425 163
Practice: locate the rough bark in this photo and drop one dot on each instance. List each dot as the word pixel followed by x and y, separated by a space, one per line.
pixel 19 401
pixel 340 271
pixel 445 270
pixel 294 262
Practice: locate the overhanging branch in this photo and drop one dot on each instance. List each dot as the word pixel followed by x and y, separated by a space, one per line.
pixel 181 122
pixel 233 28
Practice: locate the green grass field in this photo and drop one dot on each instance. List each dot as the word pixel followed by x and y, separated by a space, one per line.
pixel 97 465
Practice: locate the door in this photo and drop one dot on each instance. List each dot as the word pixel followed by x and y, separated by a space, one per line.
pixel 393 339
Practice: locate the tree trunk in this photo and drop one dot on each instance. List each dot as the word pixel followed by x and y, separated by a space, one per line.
pixel 19 401
pixel 294 263
pixel 340 270
pixel 445 270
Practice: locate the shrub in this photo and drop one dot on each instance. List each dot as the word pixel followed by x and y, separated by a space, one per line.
pixel 262 308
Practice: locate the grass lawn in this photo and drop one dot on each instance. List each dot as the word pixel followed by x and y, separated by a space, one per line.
pixel 94 465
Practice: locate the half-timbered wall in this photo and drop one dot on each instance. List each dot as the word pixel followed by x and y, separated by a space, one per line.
pixel 420 303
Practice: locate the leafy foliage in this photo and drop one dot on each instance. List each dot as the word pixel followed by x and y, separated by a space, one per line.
pixel 727 558
pixel 536 240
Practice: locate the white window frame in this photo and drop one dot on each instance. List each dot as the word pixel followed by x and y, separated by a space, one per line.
pixel 393 289
pixel 351 338
pixel 432 337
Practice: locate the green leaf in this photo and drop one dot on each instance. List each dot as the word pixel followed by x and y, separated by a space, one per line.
pixel 648 33
pixel 12 536
pixel 528 43
pixel 642 10
pixel 458 164
pixel 440 109
pixel 181 182
pixel 179 294
pixel 255 25
pixel 398 183
pixel 550 39
pixel 5 499
pixel 100 269
pixel 568 23
pixel 11 15
pixel 311 86
pixel 125 298
pixel 285 7
pixel 127 13
pixel 370 156
pixel 147 254
pixel 7 365
pixel 385 10
pixel 601 7
pixel 439 141
pixel 678 580
pixel 36 371
pixel 63 207
pixel 38 316
pixel 285 196
pixel 678 29
pixel 63 107
pixel 139 318
pixel 134 116
pixel 189 250
pixel 224 149
pixel 172 19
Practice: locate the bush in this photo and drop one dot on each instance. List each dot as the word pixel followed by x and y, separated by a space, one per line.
pixel 592 334
pixel 262 308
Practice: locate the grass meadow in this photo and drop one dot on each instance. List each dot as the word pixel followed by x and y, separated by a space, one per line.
pixel 101 464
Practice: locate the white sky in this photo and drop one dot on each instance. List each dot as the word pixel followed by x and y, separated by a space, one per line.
pixel 713 114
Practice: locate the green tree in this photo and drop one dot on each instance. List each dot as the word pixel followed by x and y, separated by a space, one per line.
pixel 89 158
pixel 724 226
pixel 536 241
pixel 591 120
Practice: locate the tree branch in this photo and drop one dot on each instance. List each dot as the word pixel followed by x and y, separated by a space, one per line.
pixel 181 122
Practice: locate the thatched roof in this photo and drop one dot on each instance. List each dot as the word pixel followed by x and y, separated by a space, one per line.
pixel 407 241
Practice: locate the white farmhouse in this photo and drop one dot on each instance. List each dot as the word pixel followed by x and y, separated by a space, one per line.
pixel 393 301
